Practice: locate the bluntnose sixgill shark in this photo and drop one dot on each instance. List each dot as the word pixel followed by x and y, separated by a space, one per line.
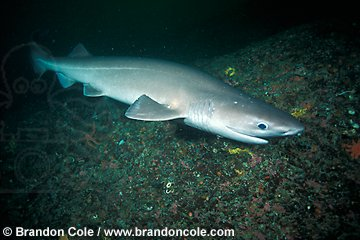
pixel 159 90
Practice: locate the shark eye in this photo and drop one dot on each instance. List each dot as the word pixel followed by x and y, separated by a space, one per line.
pixel 262 126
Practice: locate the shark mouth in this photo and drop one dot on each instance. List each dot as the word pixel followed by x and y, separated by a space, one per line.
pixel 245 137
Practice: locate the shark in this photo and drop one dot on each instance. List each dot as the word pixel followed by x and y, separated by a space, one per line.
pixel 160 90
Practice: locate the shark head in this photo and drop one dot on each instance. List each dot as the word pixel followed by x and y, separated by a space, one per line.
pixel 253 121
pixel 245 119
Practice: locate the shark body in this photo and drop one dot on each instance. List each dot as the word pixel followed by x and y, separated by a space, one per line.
pixel 159 90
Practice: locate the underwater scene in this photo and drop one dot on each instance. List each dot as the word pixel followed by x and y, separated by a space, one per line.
pixel 179 120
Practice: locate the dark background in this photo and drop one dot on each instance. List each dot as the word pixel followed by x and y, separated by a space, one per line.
pixel 179 30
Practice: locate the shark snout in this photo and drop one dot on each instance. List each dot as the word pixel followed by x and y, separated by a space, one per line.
pixel 294 130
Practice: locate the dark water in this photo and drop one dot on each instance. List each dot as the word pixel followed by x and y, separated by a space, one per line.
pixel 187 29
pixel 67 160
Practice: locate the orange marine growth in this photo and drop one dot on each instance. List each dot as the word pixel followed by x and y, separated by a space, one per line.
pixel 353 149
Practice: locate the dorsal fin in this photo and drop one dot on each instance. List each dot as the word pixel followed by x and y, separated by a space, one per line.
pixel 79 51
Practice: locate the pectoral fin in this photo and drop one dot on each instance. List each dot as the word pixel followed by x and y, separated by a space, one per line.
pixel 146 109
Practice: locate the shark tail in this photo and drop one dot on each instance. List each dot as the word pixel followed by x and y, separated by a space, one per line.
pixel 40 59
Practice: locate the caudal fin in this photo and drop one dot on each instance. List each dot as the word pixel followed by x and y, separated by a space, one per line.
pixel 40 59
pixel 43 61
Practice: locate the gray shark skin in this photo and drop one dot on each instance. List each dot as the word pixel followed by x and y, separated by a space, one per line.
pixel 159 90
